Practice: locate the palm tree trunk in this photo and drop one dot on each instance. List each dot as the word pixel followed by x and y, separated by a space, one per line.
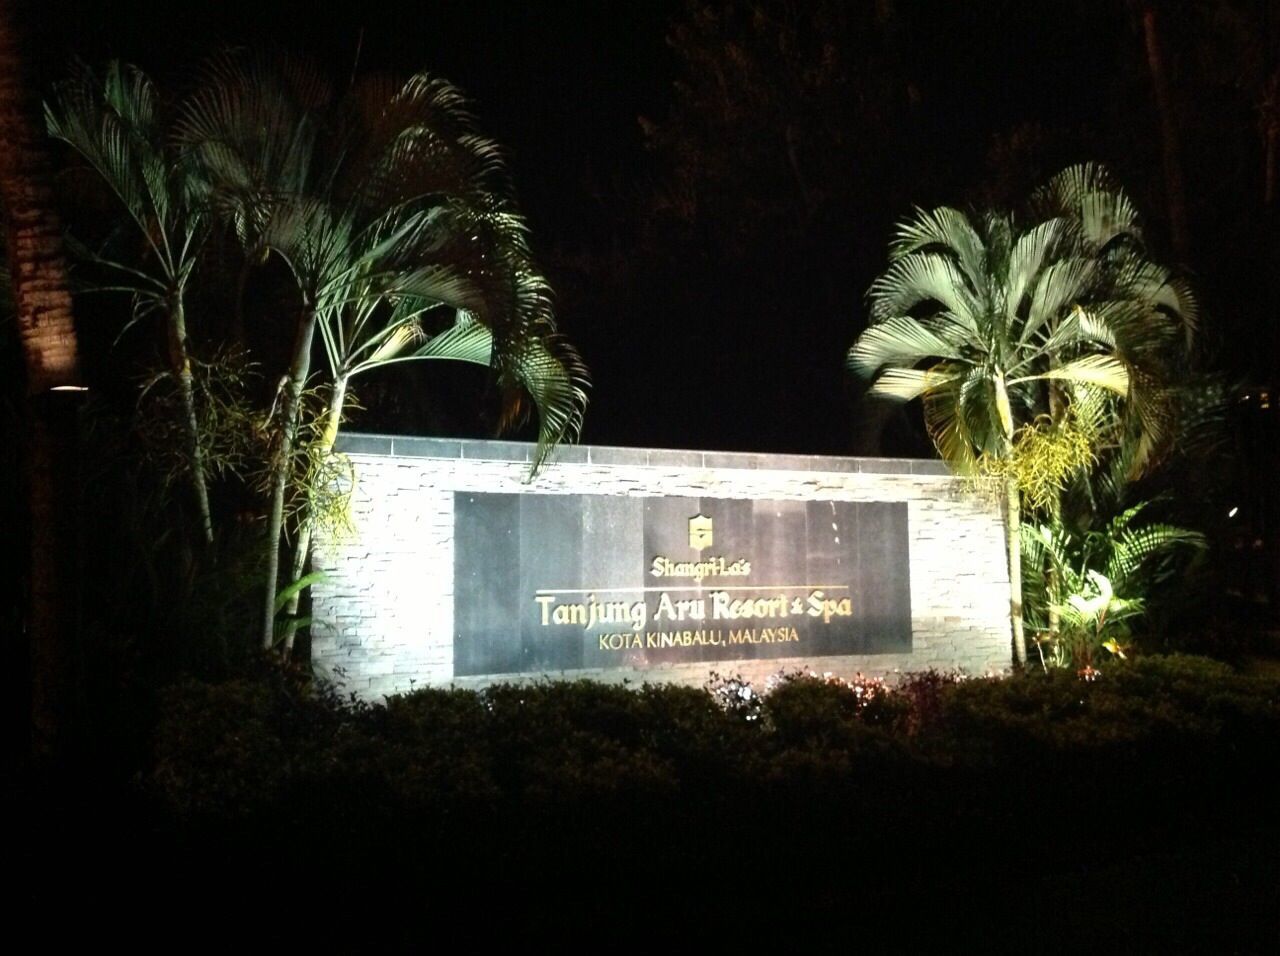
pixel 1013 544
pixel 1171 151
pixel 1056 408
pixel 42 300
pixel 1012 523
pixel 282 464
pixel 302 551
pixel 180 362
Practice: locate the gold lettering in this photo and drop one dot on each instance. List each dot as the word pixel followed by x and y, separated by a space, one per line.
pixel 826 608
pixel 686 609
pixel 592 613
pixel 613 642
pixel 778 635
pixel 722 607
pixel 711 567
pixel 570 614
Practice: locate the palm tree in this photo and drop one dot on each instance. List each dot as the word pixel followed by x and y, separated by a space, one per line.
pixel 114 123
pixel 1012 317
pixel 544 366
pixel 388 208
pixel 46 330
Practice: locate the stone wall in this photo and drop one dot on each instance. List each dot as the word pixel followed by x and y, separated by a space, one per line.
pixel 383 615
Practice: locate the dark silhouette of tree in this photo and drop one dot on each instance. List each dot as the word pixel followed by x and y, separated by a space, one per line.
pixel 1151 16
pixel 42 305
pixel 787 149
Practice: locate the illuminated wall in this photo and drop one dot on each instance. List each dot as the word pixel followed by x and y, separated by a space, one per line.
pixel 647 564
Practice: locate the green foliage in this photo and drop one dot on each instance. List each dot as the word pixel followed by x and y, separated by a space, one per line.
pixel 1011 313
pixel 529 789
pixel 287 621
pixel 1044 456
pixel 578 756
pixel 395 216
pixel 158 602
pixel 320 481
pixel 396 221
pixel 229 423
pixel 392 215
pixel 803 705
pixel 116 124
pixel 1147 707
pixel 1097 579
pixel 1046 347
pixel 220 750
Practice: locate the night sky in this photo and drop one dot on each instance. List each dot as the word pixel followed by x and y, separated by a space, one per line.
pixel 685 357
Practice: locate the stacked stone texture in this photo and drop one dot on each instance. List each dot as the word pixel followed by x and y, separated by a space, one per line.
pixel 384 612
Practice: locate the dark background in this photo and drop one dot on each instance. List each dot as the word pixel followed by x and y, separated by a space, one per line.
pixel 726 326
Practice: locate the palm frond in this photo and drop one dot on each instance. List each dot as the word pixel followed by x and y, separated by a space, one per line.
pixel 112 123
pixel 1090 195
pixel 1102 371
pixel 1135 547
pixel 900 340
pixel 945 419
pixel 1027 259
pixel 548 369
pixel 943 230
pixel 901 384
pixel 1061 285
pixel 921 278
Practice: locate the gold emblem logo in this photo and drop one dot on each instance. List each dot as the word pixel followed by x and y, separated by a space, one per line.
pixel 699 532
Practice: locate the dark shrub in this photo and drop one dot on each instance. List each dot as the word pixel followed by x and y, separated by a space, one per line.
pixel 805 707
pixel 546 767
pixel 235 748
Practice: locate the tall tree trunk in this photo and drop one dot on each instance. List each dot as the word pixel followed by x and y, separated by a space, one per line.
pixel 302 551
pixel 1013 545
pixel 43 305
pixel 1012 523
pixel 282 463
pixel 1171 150
pixel 180 362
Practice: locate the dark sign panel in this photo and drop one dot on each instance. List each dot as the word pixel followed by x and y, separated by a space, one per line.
pixel 609 581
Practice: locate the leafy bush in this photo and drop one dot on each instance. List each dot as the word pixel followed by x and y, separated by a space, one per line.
pixel 235 749
pixel 658 773
pixel 805 706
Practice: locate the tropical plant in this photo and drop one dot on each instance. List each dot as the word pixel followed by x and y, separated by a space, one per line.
pixel 396 221
pixel 1096 579
pixel 1015 316
pixel 114 122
